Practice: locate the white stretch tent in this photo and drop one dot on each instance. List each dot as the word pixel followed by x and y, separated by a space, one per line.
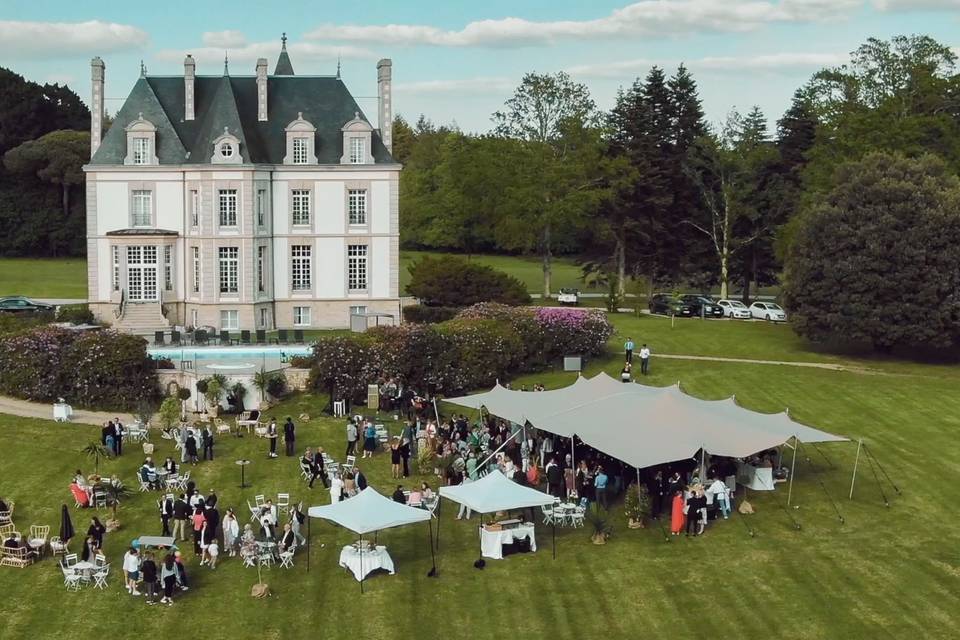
pixel 645 426
pixel 369 511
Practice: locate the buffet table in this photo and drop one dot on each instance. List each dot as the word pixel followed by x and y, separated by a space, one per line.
pixel 362 564
pixel 756 478
pixel 491 542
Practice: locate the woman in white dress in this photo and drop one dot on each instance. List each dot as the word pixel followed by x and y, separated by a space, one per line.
pixel 231 531
pixel 336 488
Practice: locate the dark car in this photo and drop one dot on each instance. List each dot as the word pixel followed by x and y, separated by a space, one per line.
pixel 703 306
pixel 667 305
pixel 20 304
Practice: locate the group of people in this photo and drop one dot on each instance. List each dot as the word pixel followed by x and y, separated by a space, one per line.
pixel 289 437
pixel 626 374
pixel 167 578
pixel 83 488
pixel 111 436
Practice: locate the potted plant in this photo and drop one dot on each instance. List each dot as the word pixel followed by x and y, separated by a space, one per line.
pixel 115 493
pixel 169 412
pixel 425 458
pixel 212 395
pixel 97 451
pixel 261 380
pixel 599 525
pixel 144 414
pixel 202 385
pixel 183 394
pixel 238 392
pixel 636 506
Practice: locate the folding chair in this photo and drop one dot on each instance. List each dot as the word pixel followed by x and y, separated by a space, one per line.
pixel 547 515
pixel 259 500
pixel 351 461
pixel 100 576
pixel 283 502
pixel 249 560
pixel 70 559
pixel 305 472
pixel 200 337
pixel 99 499
pixel 71 579
pixel 286 558
pixel 254 512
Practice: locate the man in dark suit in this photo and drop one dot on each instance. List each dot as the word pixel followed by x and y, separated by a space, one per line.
pixel 166 512
pixel 554 477
pixel 118 432
pixel 360 479
pixel 288 539
pixel 107 430
pixel 207 443
pixel 289 435
pixel 318 470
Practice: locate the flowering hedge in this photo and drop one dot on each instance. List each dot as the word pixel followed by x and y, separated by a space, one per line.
pixel 98 369
pixel 483 343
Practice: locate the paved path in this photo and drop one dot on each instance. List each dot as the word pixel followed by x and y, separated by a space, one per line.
pixel 27 409
pixel 812 365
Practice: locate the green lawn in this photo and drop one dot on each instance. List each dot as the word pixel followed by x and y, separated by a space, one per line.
pixel 886 573
pixel 43 278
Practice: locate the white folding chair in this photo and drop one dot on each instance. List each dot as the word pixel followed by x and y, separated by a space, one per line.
pixel 100 561
pixel 254 512
pixel 259 500
pixel 351 461
pixel 100 576
pixel 71 579
pixel 547 515
pixel 286 558
pixel 576 517
pixel 249 560
pixel 70 559
pixel 305 472
pixel 99 499
pixel 283 502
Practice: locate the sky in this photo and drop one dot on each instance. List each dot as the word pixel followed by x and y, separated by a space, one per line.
pixel 457 62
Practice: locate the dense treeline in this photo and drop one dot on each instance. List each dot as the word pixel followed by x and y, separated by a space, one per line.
pixel 43 144
pixel 650 190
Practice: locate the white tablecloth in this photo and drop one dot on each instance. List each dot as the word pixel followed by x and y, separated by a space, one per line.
pixel 351 559
pixel 756 478
pixel 62 412
pixel 491 542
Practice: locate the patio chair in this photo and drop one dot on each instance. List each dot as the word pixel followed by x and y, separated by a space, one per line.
pixel 259 500
pixel 298 336
pixel 286 557
pixel 70 559
pixel 71 579
pixel 576 517
pixel 158 338
pixel 261 336
pixel 200 337
pixel 100 575
pixel 245 337
pixel 351 461
pixel 37 540
pixel 57 547
pixel 6 516
pixel 254 512
pixel 282 337
pixel 305 472
pixel 99 498
pixel 283 502
pixel 221 426
pixel 224 338
pixel 175 338
pixel 547 515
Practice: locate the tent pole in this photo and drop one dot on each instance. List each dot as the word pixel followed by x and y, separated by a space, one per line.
pixel 855 463
pixel 703 463
pixel 362 574
pixel 793 465
pixel 308 543
pixel 573 464
pixel 433 558
pixel 439 508
pixel 487 459
pixel 435 412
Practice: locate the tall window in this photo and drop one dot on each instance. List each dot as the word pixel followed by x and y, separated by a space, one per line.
pixel 230 319
pixel 301 316
pixel 300 267
pixel 196 269
pixel 194 208
pixel 357 151
pixel 168 268
pixel 301 206
pixel 142 205
pixel 228 207
pixel 261 266
pixel 357 267
pixel 299 151
pixel 141 151
pixel 115 278
pixel 229 270
pixel 357 206
pixel 261 200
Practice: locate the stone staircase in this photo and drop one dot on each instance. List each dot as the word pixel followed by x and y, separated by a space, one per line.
pixel 142 318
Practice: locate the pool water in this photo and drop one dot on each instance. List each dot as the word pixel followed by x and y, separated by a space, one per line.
pixel 221 354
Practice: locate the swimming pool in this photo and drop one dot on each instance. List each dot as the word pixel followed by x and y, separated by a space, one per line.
pixel 280 352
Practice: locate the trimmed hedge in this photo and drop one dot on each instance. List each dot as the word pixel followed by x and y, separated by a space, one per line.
pixel 482 344
pixel 420 313
pixel 91 369
pixel 75 314
pixel 450 281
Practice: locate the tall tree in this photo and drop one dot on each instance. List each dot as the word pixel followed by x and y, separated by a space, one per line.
pixel 555 118
pixel 56 157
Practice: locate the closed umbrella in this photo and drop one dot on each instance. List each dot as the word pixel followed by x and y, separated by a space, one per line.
pixel 66 526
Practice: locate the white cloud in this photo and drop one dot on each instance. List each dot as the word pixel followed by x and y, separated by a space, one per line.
pixel 478 85
pixel 300 53
pixel 49 40
pixel 776 62
pixel 916 5
pixel 651 18
pixel 224 39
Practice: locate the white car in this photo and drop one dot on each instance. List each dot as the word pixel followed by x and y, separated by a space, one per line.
pixel 568 296
pixel 768 311
pixel 734 309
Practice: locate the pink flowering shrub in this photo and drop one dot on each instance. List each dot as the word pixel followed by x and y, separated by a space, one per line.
pixel 99 369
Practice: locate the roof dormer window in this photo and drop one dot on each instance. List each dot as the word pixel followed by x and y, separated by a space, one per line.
pixel 226 149
pixel 141 142
pixel 357 140
pixel 301 141
pixel 358 150
pixel 141 150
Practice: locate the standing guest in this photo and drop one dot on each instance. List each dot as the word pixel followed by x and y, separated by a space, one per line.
pixel 674 483
pixel 600 487
pixel 644 359
pixel 105 431
pixel 628 349
pixel 166 512
pixel 289 435
pixel 676 513
pixel 296 521
pixel 272 437
pixel 231 530
pixel 111 437
pixel 655 488
pixel 97 531
pixel 349 485
pixel 336 488
pixel 319 468
pixel 181 511
pixel 465 511
pixel 351 438
pixel 181 571
pixel 213 552
pixel 569 477
pixel 369 440
pixel 190 446
pixel 207 443
pixel 533 472
pixel 169 575
pixel 360 479
pixel 693 513
pixel 406 444
pixel 131 567
pixel 149 571
pixel 721 494
pixel 211 500
pixel 395 458
pixel 198 520
pixel 90 549
pixel 625 373
pixel 553 478
pixel 118 432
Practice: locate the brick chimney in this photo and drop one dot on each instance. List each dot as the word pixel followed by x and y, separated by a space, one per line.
pixel 262 89
pixel 189 76
pixel 97 72
pixel 385 116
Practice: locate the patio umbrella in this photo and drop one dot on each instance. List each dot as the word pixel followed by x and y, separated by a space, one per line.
pixel 66 526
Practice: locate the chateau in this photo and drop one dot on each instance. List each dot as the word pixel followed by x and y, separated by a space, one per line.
pixel 241 202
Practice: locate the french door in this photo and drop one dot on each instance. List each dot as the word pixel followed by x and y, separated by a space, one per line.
pixel 142 274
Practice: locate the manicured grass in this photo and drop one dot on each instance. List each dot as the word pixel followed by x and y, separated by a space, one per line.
pixel 884 573
pixel 43 278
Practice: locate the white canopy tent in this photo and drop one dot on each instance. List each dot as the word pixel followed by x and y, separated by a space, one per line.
pixel 367 512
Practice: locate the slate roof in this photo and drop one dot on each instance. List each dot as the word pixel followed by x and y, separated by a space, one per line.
pixel 231 101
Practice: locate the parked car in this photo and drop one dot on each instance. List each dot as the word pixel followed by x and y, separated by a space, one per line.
pixel 735 309
pixel 569 296
pixel 768 311
pixel 20 304
pixel 702 306
pixel 667 305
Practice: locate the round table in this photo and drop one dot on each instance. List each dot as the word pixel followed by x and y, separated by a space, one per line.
pixel 243 464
